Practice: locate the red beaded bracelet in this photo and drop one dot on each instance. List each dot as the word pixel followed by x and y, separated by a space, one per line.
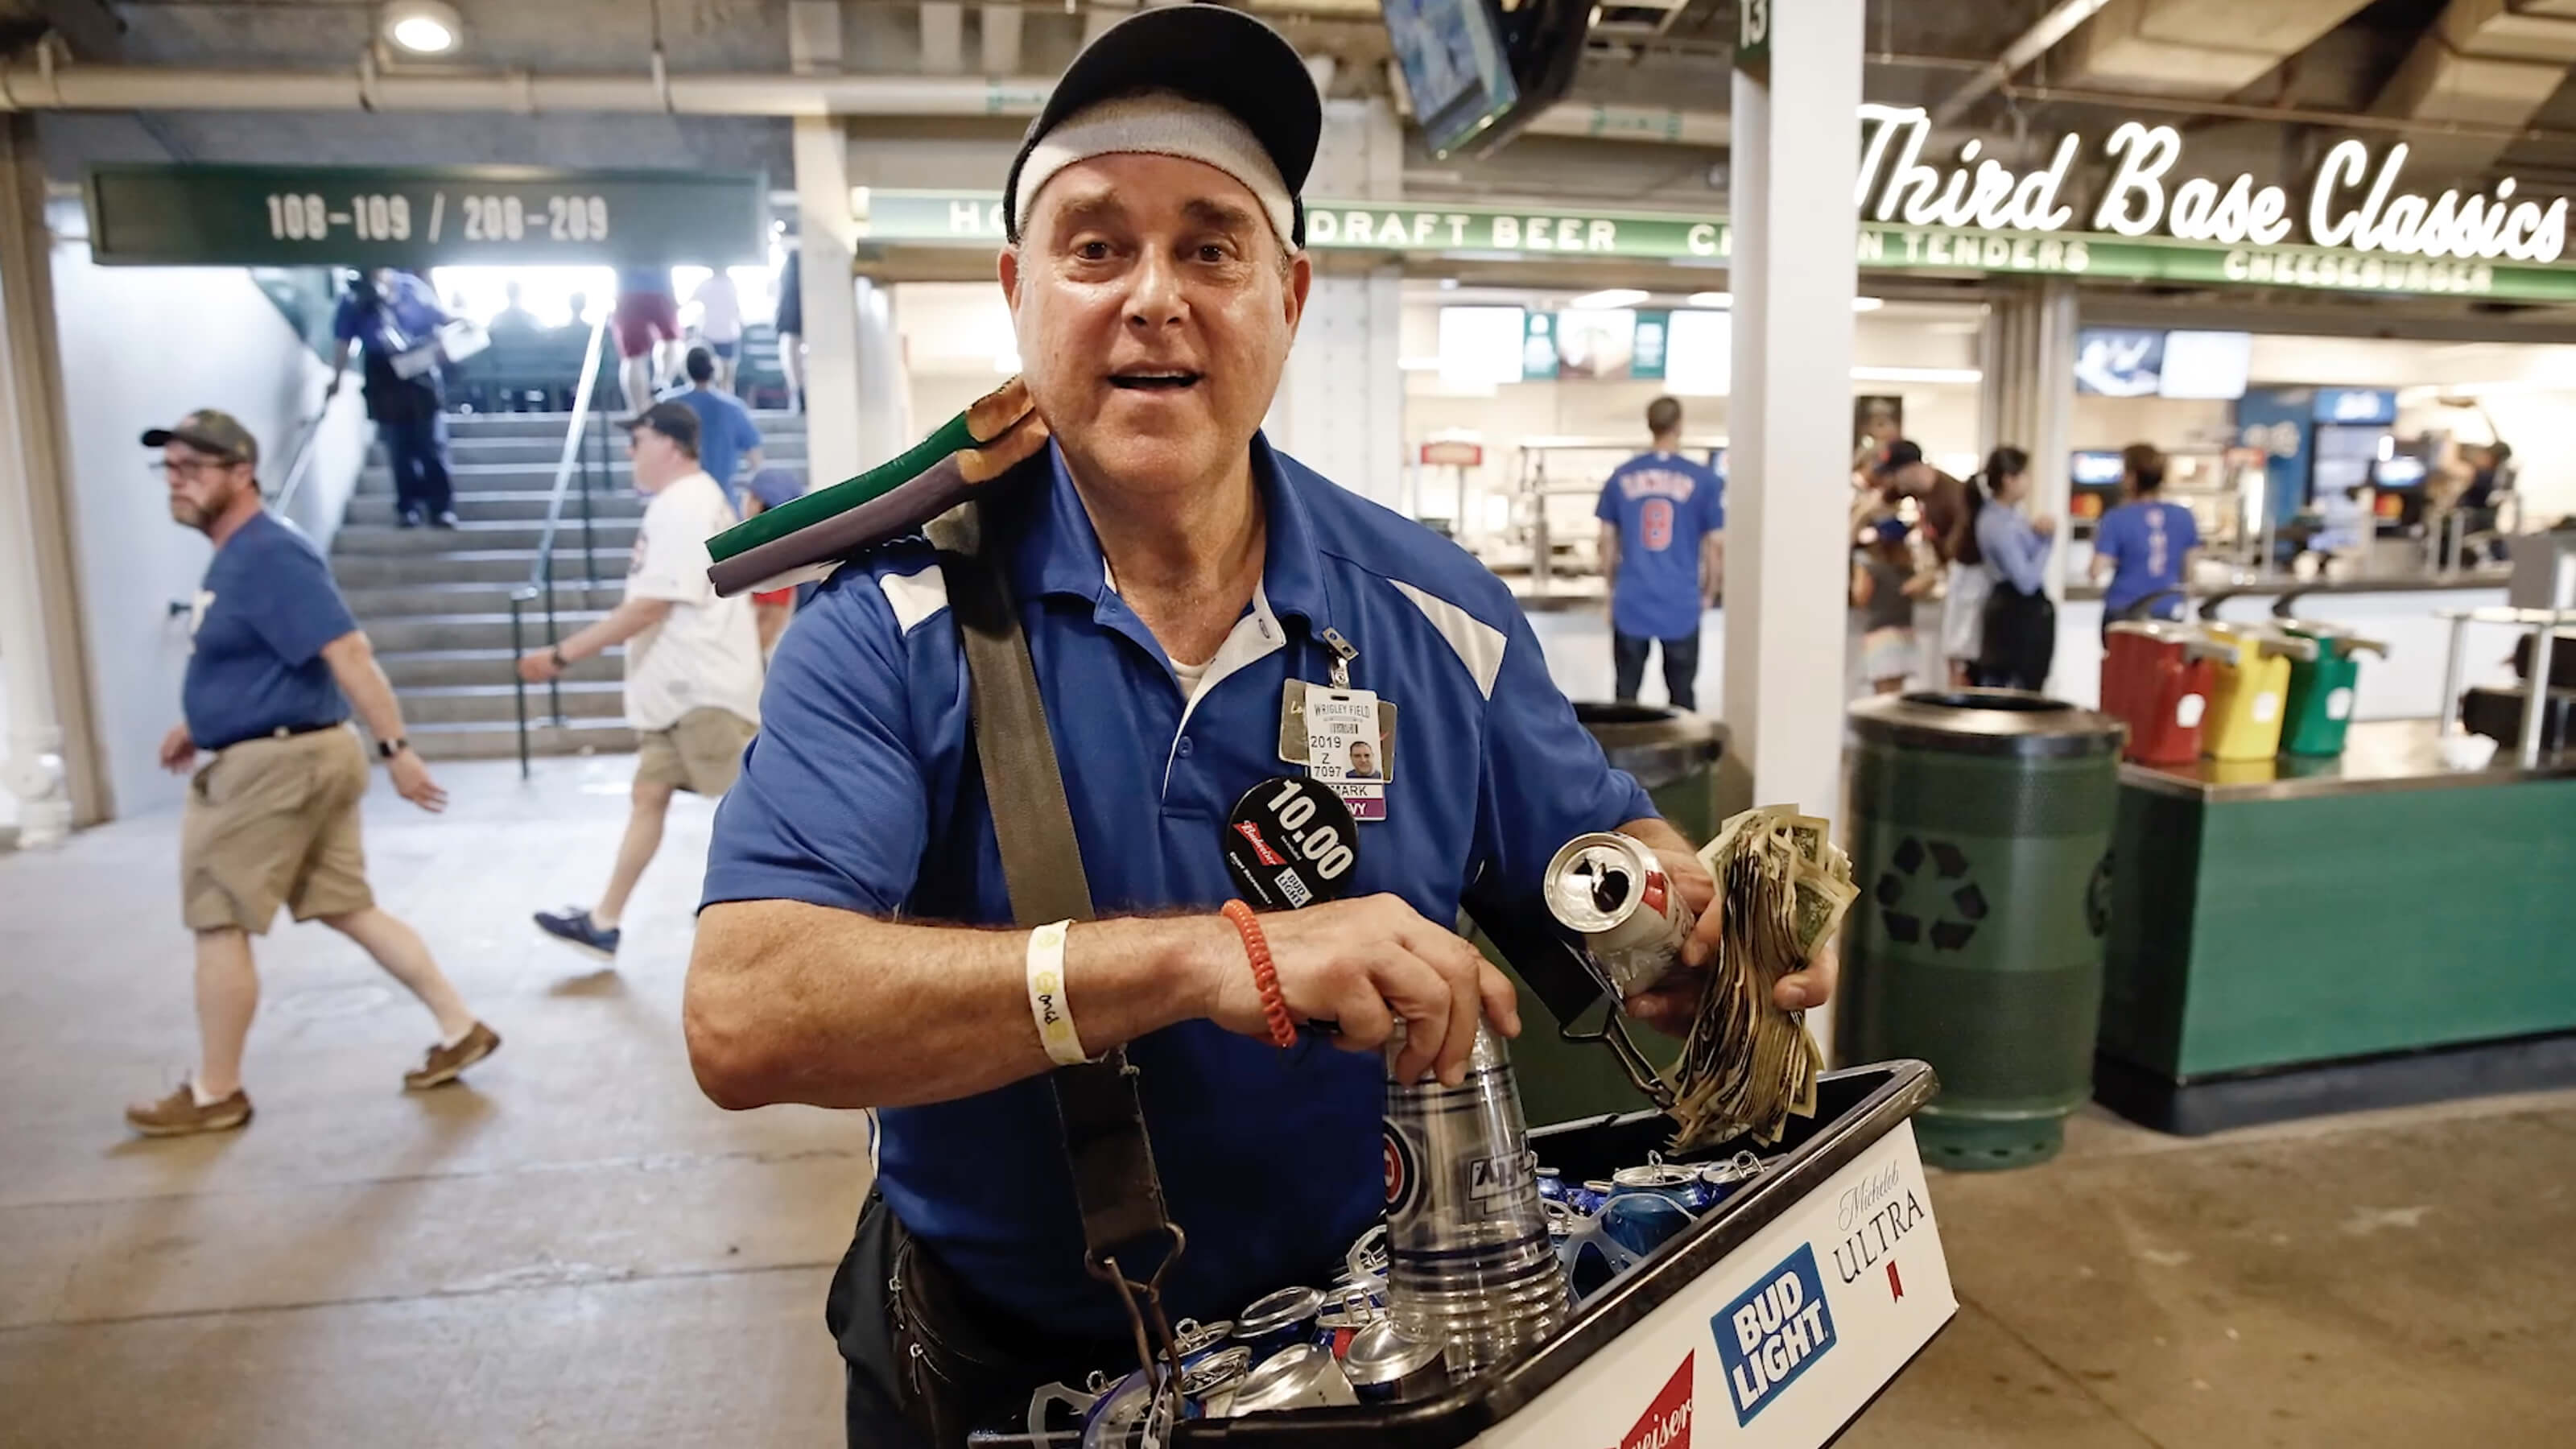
pixel 1274 1007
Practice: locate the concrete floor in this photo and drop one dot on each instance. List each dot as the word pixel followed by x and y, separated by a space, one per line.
pixel 575 1249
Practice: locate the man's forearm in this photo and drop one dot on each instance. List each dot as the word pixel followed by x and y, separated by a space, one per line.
pixel 791 1002
pixel 1659 834
pixel 624 622
pixel 363 681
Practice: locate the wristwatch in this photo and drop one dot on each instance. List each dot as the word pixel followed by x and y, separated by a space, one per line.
pixel 387 749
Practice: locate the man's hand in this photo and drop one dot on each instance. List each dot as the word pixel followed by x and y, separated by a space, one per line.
pixel 178 751
pixel 1669 1004
pixel 412 782
pixel 539 668
pixel 1364 965
pixel 2045 525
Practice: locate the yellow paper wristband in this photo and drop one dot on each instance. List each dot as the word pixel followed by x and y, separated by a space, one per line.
pixel 1047 997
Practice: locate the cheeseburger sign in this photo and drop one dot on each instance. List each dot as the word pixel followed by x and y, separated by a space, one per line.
pixel 2354 201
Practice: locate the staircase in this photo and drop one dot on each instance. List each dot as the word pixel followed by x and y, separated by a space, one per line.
pixel 436 603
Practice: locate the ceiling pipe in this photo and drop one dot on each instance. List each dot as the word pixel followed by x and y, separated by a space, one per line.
pixel 2056 25
pixel 168 88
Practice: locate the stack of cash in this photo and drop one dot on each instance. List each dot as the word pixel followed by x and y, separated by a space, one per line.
pixel 1782 888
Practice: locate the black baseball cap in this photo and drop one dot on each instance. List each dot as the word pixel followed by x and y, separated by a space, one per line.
pixel 1208 53
pixel 672 420
pixel 1899 454
pixel 208 431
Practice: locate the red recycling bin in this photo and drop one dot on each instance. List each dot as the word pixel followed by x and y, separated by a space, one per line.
pixel 2155 680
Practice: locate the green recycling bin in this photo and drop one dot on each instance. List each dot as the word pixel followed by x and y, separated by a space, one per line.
pixel 2318 706
pixel 1981 836
pixel 1674 755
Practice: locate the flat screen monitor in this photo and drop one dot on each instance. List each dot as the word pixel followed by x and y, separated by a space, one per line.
pixel 1699 353
pixel 2094 468
pixel 1476 71
pixel 2118 361
pixel 2399 472
pixel 2206 365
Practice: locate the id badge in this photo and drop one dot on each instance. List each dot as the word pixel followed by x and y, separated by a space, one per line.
pixel 1344 750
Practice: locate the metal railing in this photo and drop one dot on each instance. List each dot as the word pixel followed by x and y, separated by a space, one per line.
pixel 574 473
pixel 298 463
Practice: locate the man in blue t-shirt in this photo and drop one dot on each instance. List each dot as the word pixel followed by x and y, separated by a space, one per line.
pixel 2144 545
pixel 728 440
pixel 1663 540
pixel 392 316
pixel 272 818
pixel 1177 579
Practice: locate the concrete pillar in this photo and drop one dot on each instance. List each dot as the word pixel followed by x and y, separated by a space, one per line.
pixel 883 397
pixel 1340 407
pixel 48 756
pixel 827 241
pixel 2028 396
pixel 1793 274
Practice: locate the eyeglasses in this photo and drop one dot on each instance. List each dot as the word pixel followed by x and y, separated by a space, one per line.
pixel 191 469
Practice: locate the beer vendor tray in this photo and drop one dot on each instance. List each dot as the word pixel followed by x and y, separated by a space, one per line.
pixel 1771 1321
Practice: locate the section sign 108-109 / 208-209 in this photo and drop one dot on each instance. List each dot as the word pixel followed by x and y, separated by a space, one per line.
pixel 422 216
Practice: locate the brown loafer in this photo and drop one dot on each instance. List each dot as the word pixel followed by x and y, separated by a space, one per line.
pixel 179 1115
pixel 445 1063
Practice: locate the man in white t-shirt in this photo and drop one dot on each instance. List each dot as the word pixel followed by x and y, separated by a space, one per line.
pixel 693 670
pixel 720 325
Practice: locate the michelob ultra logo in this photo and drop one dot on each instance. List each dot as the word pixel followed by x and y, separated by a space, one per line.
pixel 1773 1333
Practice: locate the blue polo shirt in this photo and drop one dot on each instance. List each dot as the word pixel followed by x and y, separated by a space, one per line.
pixel 860 794
pixel 261 617
pixel 725 433
pixel 2145 542
pixel 1663 505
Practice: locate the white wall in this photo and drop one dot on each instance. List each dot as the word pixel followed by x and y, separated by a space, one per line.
pixel 141 346
pixel 8 797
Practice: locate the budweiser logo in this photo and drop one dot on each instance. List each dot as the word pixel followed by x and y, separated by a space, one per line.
pixel 1666 1422
pixel 1260 847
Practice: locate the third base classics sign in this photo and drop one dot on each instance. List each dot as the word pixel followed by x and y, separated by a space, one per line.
pixel 1779 1345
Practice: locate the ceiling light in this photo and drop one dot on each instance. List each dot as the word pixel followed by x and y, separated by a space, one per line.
pixel 1612 297
pixel 1868 304
pixel 1711 299
pixel 423 27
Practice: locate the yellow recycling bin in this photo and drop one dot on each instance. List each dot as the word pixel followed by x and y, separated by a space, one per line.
pixel 2246 697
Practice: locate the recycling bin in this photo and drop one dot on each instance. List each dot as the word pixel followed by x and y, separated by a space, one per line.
pixel 2156 680
pixel 2317 708
pixel 1981 834
pixel 1672 752
pixel 2246 697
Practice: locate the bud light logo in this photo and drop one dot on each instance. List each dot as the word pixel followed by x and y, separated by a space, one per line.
pixel 1773 1333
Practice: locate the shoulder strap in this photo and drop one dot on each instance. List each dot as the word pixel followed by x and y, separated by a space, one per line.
pixel 1114 1182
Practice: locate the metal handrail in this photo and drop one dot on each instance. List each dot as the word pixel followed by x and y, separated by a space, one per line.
pixel 299 462
pixel 571 464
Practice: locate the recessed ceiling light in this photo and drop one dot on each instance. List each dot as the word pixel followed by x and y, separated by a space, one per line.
pixel 1711 299
pixel 1868 304
pixel 1611 297
pixel 423 27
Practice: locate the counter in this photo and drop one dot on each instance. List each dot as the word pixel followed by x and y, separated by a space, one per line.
pixel 2288 938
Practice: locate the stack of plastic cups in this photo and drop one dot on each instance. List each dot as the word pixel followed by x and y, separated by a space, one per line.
pixel 1470 1265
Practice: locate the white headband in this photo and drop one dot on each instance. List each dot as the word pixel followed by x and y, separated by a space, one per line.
pixel 1161 123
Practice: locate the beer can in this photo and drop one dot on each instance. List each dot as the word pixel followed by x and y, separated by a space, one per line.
pixel 1664 1179
pixel 1551 1184
pixel 1192 1339
pixel 1211 1380
pixel 1277 1320
pixel 1386 1367
pixel 1643 1221
pixel 1588 1198
pixel 1300 1376
pixel 1611 890
pixel 1120 1419
pixel 1723 1179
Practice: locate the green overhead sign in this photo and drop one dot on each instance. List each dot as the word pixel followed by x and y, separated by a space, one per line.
pixel 1541 234
pixel 365 216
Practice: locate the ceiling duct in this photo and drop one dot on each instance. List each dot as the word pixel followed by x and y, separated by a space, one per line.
pixel 2490 63
pixel 2193 47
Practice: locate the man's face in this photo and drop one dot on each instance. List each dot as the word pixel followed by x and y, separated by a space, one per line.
pixel 659 461
pixel 1363 759
pixel 1154 316
pixel 203 486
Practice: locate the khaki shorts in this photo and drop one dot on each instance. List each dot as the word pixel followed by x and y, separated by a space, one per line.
pixel 275 822
pixel 701 754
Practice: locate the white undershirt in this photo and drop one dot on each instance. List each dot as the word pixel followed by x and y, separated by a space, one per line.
pixel 1191 675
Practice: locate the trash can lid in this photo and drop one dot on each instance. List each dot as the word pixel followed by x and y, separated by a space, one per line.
pixel 1986 722
pixel 1656 744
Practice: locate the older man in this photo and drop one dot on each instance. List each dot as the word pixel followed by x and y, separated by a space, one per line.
pixel 272 815
pixel 1175 576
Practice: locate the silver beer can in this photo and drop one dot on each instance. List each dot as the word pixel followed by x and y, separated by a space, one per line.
pixel 1470 1264
pixel 1300 1376
pixel 1386 1367
pixel 1614 892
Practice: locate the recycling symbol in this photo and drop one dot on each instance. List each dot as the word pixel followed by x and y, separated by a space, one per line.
pixel 1957 908
pixel 2097 898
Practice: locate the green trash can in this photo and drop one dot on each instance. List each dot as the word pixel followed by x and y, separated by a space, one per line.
pixel 1981 837
pixel 2318 707
pixel 1674 755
